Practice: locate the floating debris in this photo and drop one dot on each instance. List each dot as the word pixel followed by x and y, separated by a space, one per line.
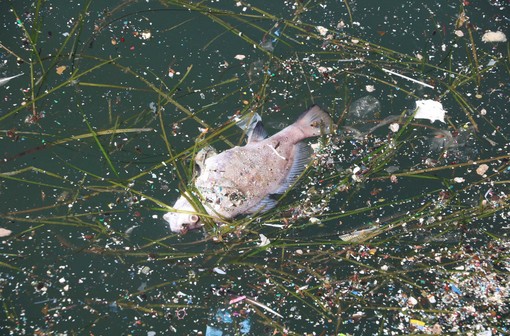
pixel 6 80
pixel 267 45
pixel 497 36
pixel 370 88
pixel 264 241
pixel 61 69
pixel 322 30
pixel 129 231
pixel 237 299
pixel 358 236
pixel 281 226
pixel 146 34
pixel 429 109
pixel 408 78
pixel 212 331
pixel 5 232
pixel 482 169
pixel 263 306
pixel 219 271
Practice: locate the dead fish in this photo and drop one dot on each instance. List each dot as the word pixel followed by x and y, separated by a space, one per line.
pixel 241 180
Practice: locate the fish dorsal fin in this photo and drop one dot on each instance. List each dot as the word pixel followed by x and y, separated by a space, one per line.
pixel 258 133
pixel 314 121
pixel 200 158
pixel 302 156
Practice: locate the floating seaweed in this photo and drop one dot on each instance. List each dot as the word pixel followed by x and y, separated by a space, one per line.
pixel 398 225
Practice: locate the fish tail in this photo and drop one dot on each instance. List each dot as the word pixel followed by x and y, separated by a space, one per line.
pixel 315 121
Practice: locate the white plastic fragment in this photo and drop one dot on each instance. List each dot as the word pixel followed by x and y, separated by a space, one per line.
pixel 239 57
pixel 322 30
pixel 429 109
pixel 6 80
pixel 219 271
pixel 302 288
pixel 146 34
pixel 491 36
pixel 263 306
pixel 264 241
pixel 281 226
pixel 394 127
pixel 408 78
pixel 370 88
pixel 4 232
pixel 145 270
pixel 248 122
pixel 412 301
pixel 458 179
pixel 482 169
pixel 237 299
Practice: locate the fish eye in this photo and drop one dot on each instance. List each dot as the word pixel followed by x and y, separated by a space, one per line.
pixel 193 218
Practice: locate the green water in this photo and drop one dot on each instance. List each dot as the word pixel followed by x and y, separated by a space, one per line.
pixel 98 133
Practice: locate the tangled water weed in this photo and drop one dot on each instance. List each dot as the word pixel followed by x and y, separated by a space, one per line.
pixel 398 226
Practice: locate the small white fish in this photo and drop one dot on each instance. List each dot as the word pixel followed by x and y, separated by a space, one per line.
pixel 243 179
pixel 6 80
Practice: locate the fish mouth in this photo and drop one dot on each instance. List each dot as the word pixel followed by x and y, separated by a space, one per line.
pixel 182 222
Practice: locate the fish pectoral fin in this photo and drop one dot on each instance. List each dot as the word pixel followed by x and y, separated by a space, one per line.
pixel 257 134
pixel 266 204
pixel 302 156
pixel 200 158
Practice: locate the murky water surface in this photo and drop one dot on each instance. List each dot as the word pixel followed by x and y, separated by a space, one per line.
pixel 400 224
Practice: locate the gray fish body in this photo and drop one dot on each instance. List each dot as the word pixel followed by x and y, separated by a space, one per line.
pixel 238 180
pixel 241 180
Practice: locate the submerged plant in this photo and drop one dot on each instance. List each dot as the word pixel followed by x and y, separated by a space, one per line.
pixel 397 225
